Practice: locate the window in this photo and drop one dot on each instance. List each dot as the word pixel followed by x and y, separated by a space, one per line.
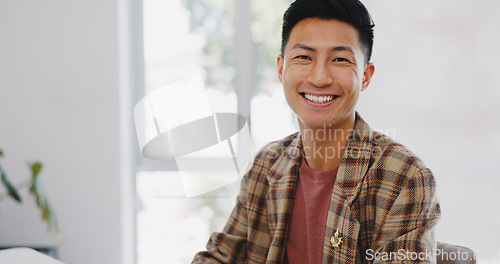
pixel 225 43
pixel 434 91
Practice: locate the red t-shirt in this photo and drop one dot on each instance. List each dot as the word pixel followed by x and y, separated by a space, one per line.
pixel 306 232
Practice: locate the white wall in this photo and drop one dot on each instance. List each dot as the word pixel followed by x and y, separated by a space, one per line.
pixel 435 90
pixel 60 103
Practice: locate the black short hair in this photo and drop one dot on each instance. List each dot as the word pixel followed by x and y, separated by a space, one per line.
pixel 352 12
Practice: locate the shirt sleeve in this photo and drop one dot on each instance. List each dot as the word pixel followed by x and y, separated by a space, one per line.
pixel 407 232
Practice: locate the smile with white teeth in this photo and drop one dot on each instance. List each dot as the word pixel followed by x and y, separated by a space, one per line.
pixel 318 99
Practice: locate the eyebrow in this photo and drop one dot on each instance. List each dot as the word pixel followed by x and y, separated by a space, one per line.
pixel 338 48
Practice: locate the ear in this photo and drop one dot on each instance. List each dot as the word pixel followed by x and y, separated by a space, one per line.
pixel 367 75
pixel 280 62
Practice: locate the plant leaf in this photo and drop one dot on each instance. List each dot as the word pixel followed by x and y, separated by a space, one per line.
pixel 46 212
pixel 11 191
pixel 42 202
pixel 1 153
pixel 33 188
pixel 36 167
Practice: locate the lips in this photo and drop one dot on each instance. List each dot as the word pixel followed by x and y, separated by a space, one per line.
pixel 319 99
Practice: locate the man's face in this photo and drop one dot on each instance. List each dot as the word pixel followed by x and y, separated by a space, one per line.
pixel 323 71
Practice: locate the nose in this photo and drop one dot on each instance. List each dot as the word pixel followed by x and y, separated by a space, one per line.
pixel 320 76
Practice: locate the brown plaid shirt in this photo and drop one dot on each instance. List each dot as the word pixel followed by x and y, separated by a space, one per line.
pixel 383 206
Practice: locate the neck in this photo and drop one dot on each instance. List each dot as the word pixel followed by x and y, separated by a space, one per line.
pixel 323 147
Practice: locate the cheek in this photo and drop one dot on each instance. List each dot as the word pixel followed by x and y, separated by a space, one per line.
pixel 349 80
pixel 287 88
pixel 290 80
pixel 290 96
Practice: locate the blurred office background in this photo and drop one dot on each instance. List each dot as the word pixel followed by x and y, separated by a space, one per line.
pixel 71 73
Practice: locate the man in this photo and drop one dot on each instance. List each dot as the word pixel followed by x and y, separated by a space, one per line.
pixel 337 191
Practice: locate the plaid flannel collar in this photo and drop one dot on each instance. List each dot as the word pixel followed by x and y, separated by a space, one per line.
pixel 354 160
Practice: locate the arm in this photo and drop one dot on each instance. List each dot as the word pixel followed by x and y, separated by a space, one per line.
pixel 247 236
pixel 408 228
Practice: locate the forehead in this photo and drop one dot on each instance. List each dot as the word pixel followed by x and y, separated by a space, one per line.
pixel 321 33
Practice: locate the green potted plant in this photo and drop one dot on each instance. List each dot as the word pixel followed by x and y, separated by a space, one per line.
pixel 35 189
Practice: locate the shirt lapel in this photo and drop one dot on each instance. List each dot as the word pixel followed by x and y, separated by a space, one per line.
pixel 341 222
pixel 282 180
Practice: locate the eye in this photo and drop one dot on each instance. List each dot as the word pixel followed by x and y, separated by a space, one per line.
pixel 302 57
pixel 341 60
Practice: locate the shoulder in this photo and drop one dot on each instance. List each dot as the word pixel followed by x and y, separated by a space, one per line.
pixel 265 163
pixel 398 176
pixel 392 156
pixel 288 146
pixel 386 153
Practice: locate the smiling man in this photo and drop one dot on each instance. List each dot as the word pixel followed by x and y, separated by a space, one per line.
pixel 336 191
